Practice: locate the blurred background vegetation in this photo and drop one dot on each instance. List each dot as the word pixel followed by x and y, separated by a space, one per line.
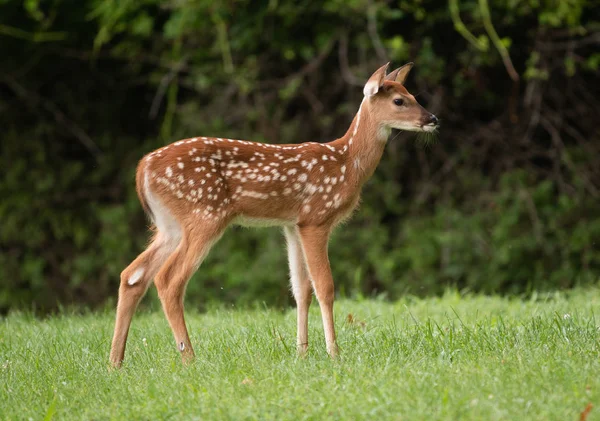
pixel 508 199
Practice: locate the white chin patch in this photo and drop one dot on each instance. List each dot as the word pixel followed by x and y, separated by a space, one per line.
pixel 429 127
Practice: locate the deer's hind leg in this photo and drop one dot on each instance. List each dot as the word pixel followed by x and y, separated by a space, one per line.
pixel 174 275
pixel 135 280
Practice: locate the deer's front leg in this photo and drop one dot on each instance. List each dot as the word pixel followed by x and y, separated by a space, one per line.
pixel 301 288
pixel 314 244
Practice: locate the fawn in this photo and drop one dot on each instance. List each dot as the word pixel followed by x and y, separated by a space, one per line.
pixel 194 188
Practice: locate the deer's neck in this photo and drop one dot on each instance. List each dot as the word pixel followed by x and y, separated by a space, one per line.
pixel 364 143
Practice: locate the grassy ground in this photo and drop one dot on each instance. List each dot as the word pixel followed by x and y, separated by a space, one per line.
pixel 449 358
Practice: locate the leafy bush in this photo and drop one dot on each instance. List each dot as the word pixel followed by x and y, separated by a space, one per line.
pixel 507 200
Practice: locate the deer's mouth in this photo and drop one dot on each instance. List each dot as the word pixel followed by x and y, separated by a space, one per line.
pixel 406 126
pixel 430 123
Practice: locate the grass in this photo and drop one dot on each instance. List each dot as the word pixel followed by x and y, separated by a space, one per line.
pixel 449 358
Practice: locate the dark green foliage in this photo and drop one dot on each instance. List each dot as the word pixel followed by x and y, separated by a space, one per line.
pixel 507 199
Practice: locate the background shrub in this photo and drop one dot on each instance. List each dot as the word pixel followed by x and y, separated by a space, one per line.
pixel 507 200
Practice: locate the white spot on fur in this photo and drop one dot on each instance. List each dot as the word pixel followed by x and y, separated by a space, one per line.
pixel 137 275
pixel 255 194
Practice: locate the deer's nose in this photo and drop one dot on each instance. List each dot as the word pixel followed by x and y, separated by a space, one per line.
pixel 433 119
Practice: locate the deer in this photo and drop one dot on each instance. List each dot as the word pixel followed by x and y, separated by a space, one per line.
pixel 193 189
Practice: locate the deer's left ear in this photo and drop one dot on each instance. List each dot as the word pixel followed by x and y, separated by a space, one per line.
pixel 399 75
pixel 375 81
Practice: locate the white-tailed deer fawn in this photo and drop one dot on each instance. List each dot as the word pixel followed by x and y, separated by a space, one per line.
pixel 194 188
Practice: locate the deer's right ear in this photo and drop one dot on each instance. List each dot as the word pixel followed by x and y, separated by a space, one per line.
pixel 375 81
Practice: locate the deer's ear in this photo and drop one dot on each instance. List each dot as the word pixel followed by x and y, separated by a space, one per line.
pixel 375 81
pixel 399 75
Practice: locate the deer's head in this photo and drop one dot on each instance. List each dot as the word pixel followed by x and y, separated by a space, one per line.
pixel 392 106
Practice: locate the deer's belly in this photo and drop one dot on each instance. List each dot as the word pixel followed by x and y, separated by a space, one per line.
pixel 249 221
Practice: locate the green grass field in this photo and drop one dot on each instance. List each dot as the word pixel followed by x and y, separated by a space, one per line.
pixel 450 358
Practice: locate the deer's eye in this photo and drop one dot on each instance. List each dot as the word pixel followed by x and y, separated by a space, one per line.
pixel 399 101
